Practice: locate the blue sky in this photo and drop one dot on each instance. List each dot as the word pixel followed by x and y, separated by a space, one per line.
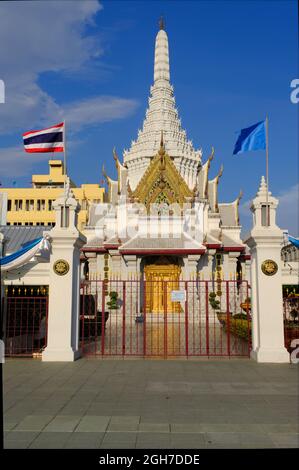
pixel 92 63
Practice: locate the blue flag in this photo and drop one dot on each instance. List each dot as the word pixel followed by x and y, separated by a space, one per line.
pixel 294 241
pixel 251 138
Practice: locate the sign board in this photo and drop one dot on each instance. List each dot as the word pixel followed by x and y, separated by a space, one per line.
pixel 178 296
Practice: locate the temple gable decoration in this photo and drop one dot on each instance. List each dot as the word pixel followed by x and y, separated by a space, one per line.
pixel 162 183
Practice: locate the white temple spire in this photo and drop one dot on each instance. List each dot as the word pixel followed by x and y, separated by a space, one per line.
pixel 162 115
pixel 161 67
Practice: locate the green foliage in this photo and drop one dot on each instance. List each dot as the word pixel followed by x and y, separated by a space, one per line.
pixel 240 316
pixel 215 304
pixel 238 327
pixel 113 302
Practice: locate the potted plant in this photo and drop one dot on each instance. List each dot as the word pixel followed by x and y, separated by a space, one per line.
pixel 113 303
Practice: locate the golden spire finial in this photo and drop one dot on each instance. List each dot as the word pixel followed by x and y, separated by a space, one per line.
pixel 161 23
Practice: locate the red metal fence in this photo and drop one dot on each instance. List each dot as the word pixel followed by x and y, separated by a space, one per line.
pixel 140 318
pixel 25 325
pixel 291 321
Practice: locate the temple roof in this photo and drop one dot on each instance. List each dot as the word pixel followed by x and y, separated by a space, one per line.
pixel 161 181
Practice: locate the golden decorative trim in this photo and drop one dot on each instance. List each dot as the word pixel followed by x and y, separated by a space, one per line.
pixel 161 179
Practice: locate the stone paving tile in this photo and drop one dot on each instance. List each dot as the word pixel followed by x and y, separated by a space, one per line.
pixel 115 440
pixel 50 440
pixel 229 440
pixel 19 440
pixel 34 423
pixel 124 423
pixel 9 425
pixel 285 440
pixel 188 441
pixel 231 427
pixel 93 424
pixel 154 427
pixel 153 441
pixel 62 423
pixel 85 440
pixel 292 428
pixel 185 427
pixel 256 440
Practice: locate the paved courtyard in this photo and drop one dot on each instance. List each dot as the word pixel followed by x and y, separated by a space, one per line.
pixel 178 404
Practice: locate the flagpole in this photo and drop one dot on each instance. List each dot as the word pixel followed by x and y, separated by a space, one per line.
pixel 267 171
pixel 65 169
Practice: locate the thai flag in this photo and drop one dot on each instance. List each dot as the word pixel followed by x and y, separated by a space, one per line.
pixel 45 140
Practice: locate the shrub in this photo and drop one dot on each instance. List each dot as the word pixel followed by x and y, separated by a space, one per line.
pixel 238 327
pixel 240 316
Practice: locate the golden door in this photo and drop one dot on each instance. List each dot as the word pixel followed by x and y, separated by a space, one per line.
pixel 160 281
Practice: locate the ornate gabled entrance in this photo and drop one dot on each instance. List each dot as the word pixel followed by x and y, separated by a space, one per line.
pixel 161 183
pixel 161 278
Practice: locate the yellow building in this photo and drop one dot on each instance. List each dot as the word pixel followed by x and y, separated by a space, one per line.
pixel 33 206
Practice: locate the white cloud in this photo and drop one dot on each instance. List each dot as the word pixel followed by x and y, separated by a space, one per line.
pixel 49 36
pixel 287 212
pixel 98 109
pixel 14 162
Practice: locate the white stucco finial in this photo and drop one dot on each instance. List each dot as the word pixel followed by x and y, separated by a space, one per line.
pixel 161 68
pixel 263 187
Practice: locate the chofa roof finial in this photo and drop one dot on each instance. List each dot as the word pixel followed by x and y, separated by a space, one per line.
pixel 161 23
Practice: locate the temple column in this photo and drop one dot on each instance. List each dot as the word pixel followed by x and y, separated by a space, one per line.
pixel 64 304
pixel 265 243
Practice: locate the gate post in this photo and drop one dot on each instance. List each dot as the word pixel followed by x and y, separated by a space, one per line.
pixel 265 242
pixel 64 286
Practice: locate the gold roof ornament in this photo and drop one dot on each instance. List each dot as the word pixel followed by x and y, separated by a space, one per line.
pixel 162 182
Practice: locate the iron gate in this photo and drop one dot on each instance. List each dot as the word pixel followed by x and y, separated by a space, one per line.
pixel 146 319
pixel 291 321
pixel 25 320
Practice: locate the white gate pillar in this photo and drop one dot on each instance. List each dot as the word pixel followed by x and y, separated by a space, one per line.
pixel 64 288
pixel 265 244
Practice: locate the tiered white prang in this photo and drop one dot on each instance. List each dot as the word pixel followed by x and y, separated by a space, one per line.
pixel 162 115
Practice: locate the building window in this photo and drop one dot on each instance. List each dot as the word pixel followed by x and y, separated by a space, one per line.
pixel 41 204
pixel 18 204
pixel 29 205
pixel 9 205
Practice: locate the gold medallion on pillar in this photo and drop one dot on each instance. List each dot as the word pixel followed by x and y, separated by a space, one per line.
pixel 61 267
pixel 269 267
